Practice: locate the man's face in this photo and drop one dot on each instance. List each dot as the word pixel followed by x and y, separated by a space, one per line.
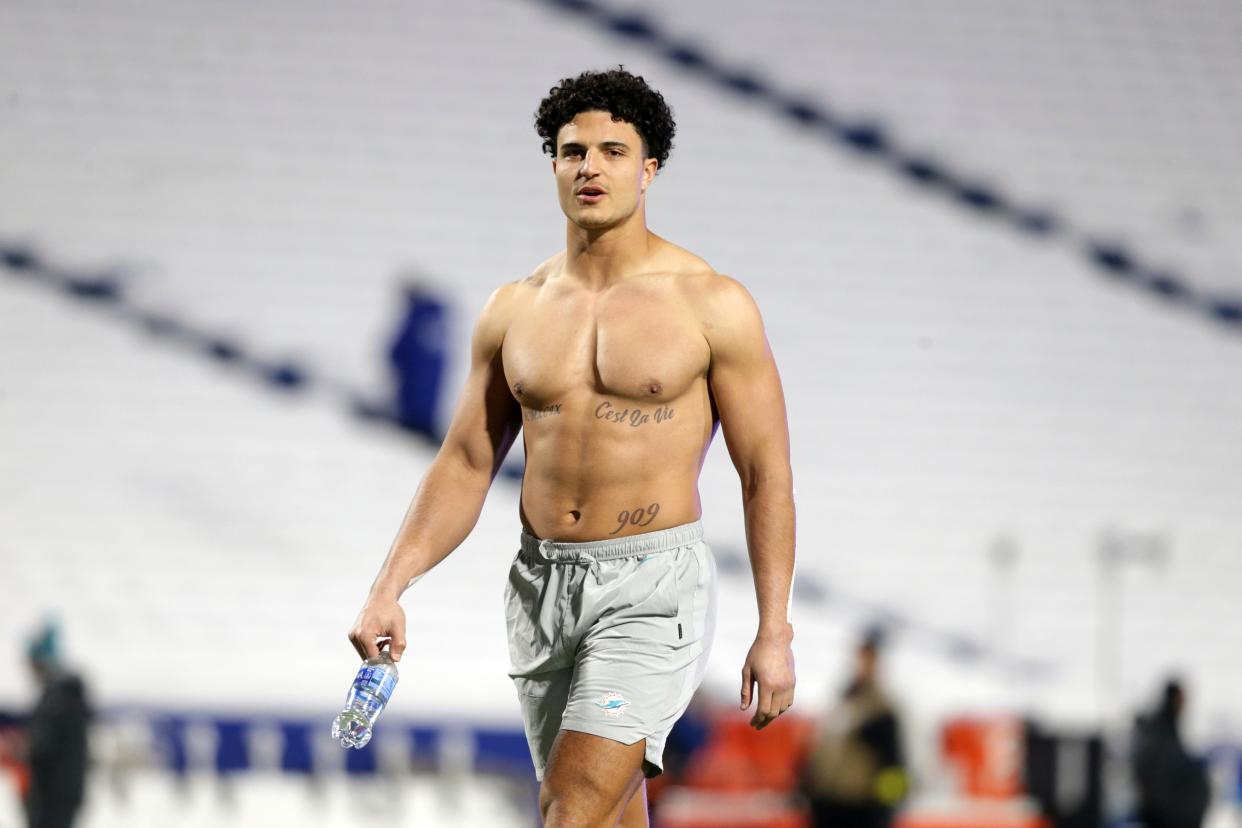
pixel 600 170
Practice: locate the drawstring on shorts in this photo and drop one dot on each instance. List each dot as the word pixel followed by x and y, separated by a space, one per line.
pixel 546 546
pixel 592 553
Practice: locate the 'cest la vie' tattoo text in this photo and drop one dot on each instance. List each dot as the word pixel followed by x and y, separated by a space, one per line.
pixel 631 416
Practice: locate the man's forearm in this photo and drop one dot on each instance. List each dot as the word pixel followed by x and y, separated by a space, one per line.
pixel 769 510
pixel 441 514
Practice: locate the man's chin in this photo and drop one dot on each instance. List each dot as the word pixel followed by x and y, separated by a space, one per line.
pixel 590 222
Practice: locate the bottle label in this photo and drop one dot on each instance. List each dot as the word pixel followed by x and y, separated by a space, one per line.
pixel 377 681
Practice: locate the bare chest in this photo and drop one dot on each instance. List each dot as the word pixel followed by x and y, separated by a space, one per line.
pixel 633 344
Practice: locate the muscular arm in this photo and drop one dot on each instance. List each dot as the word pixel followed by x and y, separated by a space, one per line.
pixel 747 389
pixel 450 497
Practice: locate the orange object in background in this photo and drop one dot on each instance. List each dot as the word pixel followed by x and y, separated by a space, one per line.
pixel 12 749
pixel 742 778
pixel 739 758
pixel 987 754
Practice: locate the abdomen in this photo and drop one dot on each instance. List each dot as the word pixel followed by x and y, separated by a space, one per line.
pixel 610 467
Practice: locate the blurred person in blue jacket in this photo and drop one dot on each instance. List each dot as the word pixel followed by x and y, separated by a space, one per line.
pixel 1172 785
pixel 417 356
pixel 57 736
pixel 855 775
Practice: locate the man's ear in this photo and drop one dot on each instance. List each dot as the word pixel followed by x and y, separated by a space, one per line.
pixel 650 167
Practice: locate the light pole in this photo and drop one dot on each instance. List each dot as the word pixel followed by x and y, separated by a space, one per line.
pixel 1116 549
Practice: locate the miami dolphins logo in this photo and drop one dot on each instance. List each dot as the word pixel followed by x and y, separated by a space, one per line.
pixel 613 704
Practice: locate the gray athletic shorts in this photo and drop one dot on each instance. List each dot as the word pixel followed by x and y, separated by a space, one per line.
pixel 610 637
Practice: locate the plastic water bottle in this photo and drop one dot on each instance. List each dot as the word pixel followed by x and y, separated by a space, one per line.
pixel 371 690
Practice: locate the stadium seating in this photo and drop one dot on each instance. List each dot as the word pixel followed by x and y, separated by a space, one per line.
pixel 993 250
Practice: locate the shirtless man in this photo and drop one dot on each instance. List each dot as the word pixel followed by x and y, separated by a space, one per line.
pixel 618 357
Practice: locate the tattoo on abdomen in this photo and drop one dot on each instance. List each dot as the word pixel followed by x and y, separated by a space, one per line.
pixel 553 410
pixel 642 516
pixel 632 417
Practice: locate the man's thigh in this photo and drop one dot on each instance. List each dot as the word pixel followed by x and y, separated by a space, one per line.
pixel 589 780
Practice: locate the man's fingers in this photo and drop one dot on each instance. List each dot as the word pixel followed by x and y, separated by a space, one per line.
pixel 379 625
pixel 757 720
pixel 364 643
pixel 355 638
pixel 765 710
pixel 747 682
pixel 767 702
pixel 769 706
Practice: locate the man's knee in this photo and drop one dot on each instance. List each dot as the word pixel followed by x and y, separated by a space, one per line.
pixel 577 801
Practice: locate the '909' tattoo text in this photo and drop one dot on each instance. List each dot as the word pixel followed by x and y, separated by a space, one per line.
pixel 642 516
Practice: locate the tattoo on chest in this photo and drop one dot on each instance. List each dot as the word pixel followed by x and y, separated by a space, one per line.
pixel 632 416
pixel 641 516
pixel 553 410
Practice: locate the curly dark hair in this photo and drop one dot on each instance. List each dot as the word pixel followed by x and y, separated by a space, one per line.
pixel 626 96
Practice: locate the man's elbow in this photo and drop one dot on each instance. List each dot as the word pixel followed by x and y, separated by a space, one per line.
pixel 773 479
pixel 470 461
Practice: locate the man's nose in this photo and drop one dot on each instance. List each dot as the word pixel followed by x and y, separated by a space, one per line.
pixel 590 163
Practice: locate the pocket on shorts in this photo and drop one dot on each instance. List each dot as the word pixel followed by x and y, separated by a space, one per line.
pixel 689 590
pixel 529 646
pixel 665 600
pixel 634 588
pixel 669 603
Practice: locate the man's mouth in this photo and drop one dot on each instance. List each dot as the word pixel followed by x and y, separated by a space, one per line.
pixel 590 194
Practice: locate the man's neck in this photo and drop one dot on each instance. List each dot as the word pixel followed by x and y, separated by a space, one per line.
pixel 602 258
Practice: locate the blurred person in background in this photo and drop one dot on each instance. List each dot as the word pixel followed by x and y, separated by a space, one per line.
pixel 1172 785
pixel 56 736
pixel 855 775
pixel 617 358
pixel 417 357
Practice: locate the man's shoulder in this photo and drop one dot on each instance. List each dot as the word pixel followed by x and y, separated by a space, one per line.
pixel 507 301
pixel 694 275
pixel 714 296
pixel 686 267
pixel 713 288
pixel 506 296
pixel 543 271
pixel 722 305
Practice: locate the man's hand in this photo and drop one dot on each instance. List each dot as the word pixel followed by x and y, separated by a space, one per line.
pixel 770 664
pixel 381 621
